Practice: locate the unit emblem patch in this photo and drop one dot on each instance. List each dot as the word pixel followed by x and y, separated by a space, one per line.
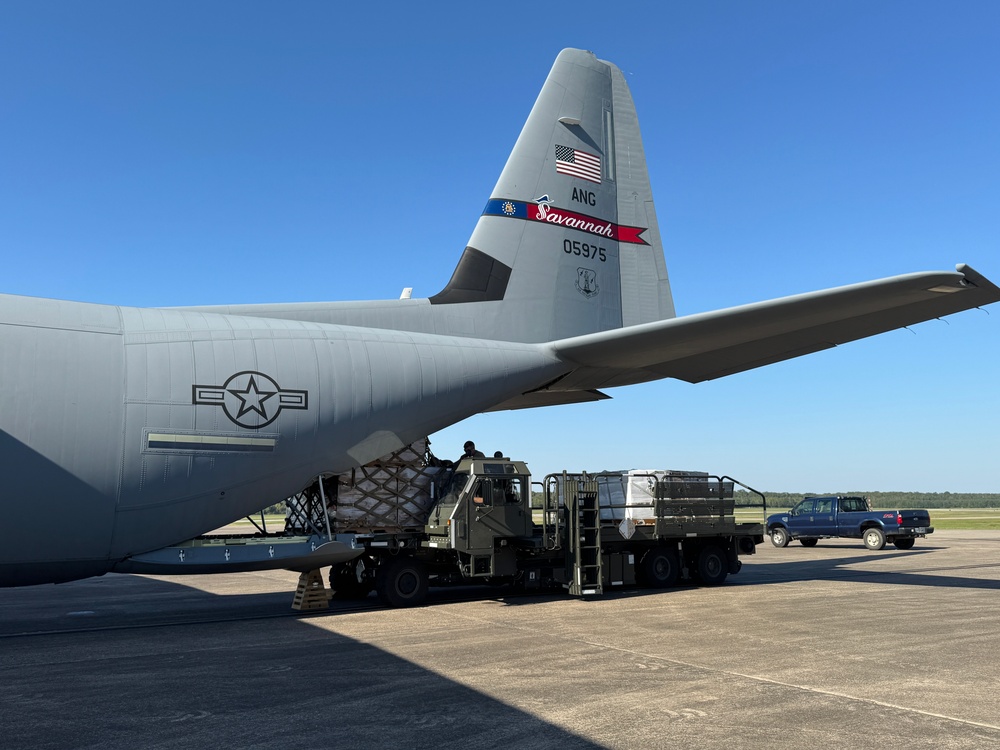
pixel 586 282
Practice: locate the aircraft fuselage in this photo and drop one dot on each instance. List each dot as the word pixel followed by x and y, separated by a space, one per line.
pixel 125 430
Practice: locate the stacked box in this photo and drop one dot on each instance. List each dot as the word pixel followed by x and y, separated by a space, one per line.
pixel 392 494
pixel 645 486
pixel 694 496
pixel 633 494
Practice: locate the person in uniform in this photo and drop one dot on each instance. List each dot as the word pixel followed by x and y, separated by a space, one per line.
pixel 471 452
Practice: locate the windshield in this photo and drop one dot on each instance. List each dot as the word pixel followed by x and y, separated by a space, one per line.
pixel 452 485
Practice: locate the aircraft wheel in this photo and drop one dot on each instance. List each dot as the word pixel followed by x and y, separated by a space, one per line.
pixel 874 539
pixel 351 580
pixel 905 542
pixel 660 568
pixel 401 582
pixel 712 565
pixel 808 542
pixel 779 537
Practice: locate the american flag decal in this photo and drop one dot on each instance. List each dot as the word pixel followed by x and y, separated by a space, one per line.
pixel 578 163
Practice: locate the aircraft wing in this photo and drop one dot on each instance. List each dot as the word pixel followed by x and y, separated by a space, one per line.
pixel 714 344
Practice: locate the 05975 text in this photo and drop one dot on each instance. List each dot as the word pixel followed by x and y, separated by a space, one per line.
pixel 584 250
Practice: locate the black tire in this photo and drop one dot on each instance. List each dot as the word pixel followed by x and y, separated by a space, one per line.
pixel 713 565
pixel 808 542
pixel 904 542
pixel 660 568
pixel 779 536
pixel 873 538
pixel 401 582
pixel 351 581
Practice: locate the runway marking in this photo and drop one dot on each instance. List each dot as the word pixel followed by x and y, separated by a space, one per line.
pixel 731 673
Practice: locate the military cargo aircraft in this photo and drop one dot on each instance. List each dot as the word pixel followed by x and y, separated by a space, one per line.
pixel 126 430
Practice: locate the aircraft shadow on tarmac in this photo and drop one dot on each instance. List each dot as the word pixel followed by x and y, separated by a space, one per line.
pixel 151 668
pixel 129 661
pixel 841 568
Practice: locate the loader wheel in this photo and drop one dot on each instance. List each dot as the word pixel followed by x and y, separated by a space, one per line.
pixel 905 542
pixel 660 568
pixel 779 537
pixel 874 539
pixel 713 567
pixel 401 582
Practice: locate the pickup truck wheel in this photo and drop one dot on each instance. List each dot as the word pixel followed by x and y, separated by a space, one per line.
pixel 712 565
pixel 401 582
pixel 874 539
pixel 905 542
pixel 779 537
pixel 808 542
pixel 660 568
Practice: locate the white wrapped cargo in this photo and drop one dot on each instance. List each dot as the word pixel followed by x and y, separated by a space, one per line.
pixel 632 494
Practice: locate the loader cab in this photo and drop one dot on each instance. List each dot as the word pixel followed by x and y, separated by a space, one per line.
pixel 485 499
pixel 497 501
pixel 486 503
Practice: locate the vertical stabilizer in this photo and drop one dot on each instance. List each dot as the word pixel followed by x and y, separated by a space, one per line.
pixel 568 243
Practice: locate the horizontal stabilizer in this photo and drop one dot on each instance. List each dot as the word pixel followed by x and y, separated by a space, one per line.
pixel 714 344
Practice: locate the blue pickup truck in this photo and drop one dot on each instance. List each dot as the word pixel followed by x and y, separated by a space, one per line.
pixel 816 518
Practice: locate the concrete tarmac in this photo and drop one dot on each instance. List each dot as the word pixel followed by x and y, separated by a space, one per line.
pixel 831 647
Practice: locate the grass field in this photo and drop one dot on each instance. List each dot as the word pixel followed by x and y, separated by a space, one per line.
pixel 275 524
pixel 966 518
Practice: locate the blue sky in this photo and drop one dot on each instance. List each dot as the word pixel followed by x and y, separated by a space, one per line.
pixel 199 153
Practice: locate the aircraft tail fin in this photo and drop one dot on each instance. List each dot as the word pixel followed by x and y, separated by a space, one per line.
pixel 568 243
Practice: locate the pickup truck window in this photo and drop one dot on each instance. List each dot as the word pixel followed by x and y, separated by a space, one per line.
pixel 853 505
pixel 825 505
pixel 804 508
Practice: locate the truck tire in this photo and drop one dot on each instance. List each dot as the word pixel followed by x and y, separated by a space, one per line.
pixel 660 568
pixel 904 542
pixel 713 566
pixel 401 582
pixel 809 542
pixel 779 536
pixel 873 538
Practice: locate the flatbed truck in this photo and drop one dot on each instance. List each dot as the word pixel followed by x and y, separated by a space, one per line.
pixel 487 526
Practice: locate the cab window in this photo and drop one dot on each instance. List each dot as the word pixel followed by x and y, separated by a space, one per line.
pixel 513 490
pixel 853 505
pixel 454 485
pixel 482 496
pixel 804 508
